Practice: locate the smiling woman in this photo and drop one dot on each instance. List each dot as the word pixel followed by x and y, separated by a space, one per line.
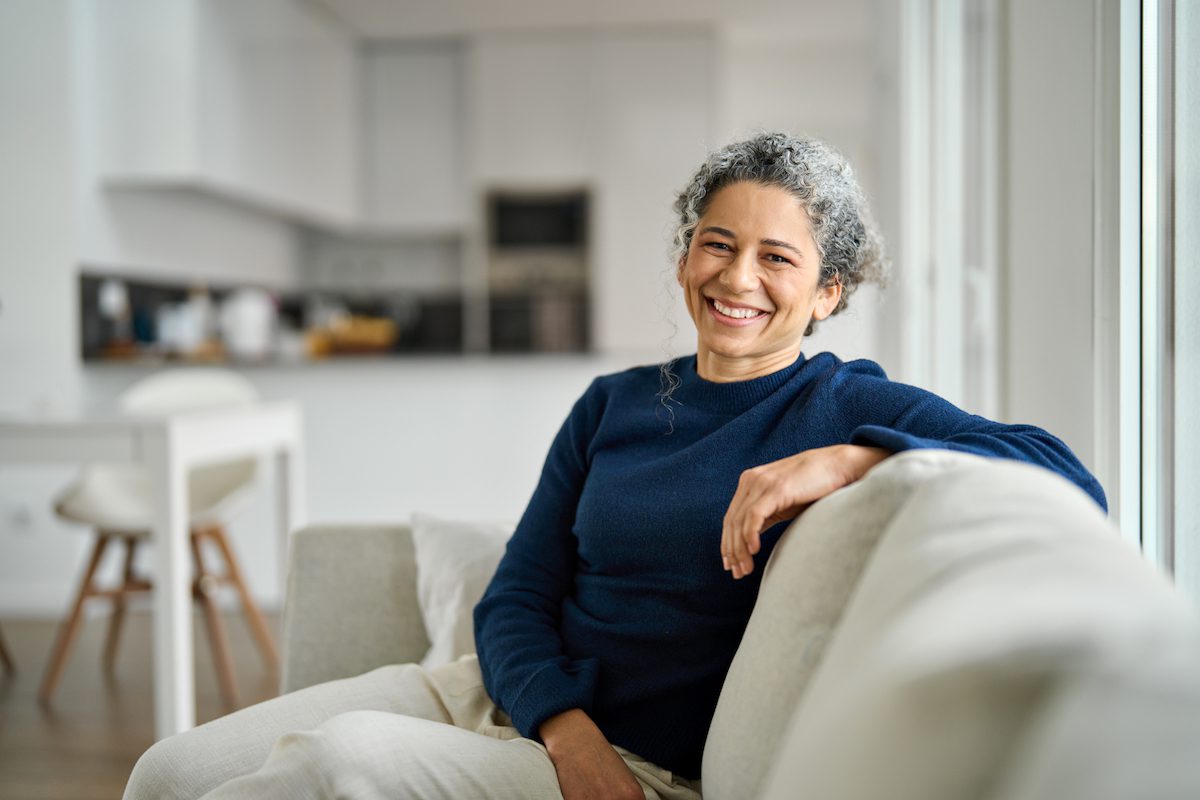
pixel 608 629
pixel 803 242
pixel 821 182
pixel 751 280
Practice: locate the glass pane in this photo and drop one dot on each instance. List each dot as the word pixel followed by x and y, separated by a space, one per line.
pixel 1187 297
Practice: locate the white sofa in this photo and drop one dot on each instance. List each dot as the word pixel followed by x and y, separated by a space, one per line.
pixel 947 628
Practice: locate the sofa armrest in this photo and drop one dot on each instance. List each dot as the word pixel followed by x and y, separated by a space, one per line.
pixel 351 603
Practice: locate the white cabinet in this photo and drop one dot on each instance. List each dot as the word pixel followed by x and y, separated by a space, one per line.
pixel 414 172
pixel 532 112
pixel 255 101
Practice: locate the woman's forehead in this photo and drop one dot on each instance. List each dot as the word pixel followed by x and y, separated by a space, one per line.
pixel 749 208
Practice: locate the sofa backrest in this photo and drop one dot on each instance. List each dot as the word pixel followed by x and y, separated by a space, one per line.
pixel 1003 643
pixel 351 603
pixel 805 588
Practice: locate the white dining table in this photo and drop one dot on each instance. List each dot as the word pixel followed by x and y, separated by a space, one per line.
pixel 169 446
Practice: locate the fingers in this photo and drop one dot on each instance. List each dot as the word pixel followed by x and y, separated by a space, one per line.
pixel 745 541
pixel 771 493
pixel 744 522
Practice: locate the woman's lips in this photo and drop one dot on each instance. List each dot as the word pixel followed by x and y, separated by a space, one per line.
pixel 734 322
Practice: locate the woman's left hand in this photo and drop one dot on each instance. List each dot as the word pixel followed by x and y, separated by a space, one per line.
pixel 780 490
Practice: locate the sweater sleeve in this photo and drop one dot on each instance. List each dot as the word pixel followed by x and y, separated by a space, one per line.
pixel 898 417
pixel 521 655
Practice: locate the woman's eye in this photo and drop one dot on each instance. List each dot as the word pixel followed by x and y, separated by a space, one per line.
pixel 778 260
pixel 717 245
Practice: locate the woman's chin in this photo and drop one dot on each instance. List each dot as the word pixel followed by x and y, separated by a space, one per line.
pixel 731 349
pixel 727 351
pixel 733 343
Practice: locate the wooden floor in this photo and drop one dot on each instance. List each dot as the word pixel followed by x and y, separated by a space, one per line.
pixel 84 746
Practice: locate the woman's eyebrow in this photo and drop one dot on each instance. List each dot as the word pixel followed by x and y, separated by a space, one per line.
pixel 768 242
pixel 783 244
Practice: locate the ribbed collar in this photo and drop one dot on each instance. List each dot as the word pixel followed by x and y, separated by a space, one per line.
pixel 729 398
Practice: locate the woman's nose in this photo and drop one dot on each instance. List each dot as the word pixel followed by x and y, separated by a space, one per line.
pixel 740 275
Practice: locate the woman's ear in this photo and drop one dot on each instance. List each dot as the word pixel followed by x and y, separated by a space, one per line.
pixel 827 300
pixel 679 270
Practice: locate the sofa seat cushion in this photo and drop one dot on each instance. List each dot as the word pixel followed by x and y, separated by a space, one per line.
pixel 1004 642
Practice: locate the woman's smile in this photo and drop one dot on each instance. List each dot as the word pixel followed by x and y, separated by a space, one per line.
pixel 735 314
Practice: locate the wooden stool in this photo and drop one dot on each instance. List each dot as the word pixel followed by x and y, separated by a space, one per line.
pixel 204 589
pixel 5 658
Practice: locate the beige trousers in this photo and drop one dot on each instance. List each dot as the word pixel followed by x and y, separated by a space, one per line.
pixel 397 732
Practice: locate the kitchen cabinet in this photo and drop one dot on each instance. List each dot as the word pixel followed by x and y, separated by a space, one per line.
pixel 256 102
pixel 413 114
pixel 383 156
pixel 532 109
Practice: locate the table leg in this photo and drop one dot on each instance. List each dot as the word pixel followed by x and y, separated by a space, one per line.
pixel 290 511
pixel 174 677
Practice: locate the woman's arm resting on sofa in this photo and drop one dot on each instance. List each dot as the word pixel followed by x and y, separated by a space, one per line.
pixel 877 412
pixel 778 491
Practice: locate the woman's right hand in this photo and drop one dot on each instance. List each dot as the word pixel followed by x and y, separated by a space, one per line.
pixel 587 765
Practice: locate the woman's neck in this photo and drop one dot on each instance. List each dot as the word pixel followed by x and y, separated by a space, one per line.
pixel 724 369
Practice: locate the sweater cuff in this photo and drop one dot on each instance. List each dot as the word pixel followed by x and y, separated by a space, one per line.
pixel 551 690
pixel 891 439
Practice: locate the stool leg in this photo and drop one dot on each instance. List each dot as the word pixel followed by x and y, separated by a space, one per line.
pixel 205 584
pixel 70 626
pixel 9 666
pixel 118 612
pixel 254 615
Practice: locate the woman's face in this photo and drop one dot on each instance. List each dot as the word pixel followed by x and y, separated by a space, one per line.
pixel 750 281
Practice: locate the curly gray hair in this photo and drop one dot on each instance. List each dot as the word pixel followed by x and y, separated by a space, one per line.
pixel 821 179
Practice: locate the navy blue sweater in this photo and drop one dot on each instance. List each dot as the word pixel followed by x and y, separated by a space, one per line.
pixel 611 596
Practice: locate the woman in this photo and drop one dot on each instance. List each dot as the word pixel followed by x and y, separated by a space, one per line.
pixel 606 633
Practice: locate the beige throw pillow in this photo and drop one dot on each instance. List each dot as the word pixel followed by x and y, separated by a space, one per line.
pixel 455 563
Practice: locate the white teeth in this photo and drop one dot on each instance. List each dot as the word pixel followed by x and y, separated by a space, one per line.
pixel 736 313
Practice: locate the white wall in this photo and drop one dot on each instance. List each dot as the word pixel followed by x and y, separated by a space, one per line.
pixel 1047 229
pixel 37 316
pixel 38 325
pixel 884 184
